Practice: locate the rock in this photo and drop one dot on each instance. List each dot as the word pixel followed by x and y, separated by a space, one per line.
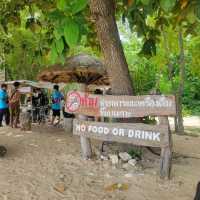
pixel 103 157
pixel 108 175
pixel 60 187
pixel 62 177
pixel 132 162
pixel 129 175
pixel 125 156
pixel 3 151
pixel 126 166
pixel 114 159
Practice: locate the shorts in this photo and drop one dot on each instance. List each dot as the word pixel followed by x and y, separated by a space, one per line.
pixel 56 113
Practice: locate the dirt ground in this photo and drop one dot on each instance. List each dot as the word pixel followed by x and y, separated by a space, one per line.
pixel 45 164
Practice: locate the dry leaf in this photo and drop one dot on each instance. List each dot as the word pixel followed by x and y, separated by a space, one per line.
pixel 60 187
pixel 130 2
pixel 117 186
pixel 184 3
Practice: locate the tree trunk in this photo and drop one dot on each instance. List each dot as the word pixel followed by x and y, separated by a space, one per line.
pixel 170 73
pixel 170 76
pixel 181 83
pixel 176 117
pixel 103 13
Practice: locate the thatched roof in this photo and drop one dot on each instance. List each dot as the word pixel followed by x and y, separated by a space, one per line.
pixel 80 68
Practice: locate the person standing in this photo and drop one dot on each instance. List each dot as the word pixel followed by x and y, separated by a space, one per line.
pixel 56 98
pixel 4 108
pixel 14 103
pixel 35 103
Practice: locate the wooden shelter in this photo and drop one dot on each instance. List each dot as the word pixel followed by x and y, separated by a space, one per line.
pixel 80 69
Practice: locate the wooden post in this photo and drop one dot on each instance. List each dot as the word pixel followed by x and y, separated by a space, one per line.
pixel 166 151
pixel 85 142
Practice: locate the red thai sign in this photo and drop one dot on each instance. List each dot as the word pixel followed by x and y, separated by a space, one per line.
pixel 120 106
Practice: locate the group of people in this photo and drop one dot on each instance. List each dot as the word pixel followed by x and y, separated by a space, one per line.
pixel 10 104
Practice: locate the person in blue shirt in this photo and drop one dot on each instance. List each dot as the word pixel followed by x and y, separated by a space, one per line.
pixel 4 107
pixel 56 98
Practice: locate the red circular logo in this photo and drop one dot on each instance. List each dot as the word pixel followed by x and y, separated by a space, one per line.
pixel 73 101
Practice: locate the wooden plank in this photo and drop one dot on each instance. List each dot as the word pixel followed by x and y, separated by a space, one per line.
pixel 137 134
pixel 166 151
pixel 120 106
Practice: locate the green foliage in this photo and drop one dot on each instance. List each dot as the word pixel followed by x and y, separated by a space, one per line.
pixel 142 71
pixel 62 5
pixel 78 6
pixel 135 154
pixel 59 45
pixel 73 7
pixel 165 85
pixel 191 97
pixel 145 2
pixel 53 53
pixel 71 32
pixel 167 5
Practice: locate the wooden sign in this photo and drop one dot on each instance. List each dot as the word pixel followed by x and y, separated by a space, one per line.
pixel 120 106
pixel 137 134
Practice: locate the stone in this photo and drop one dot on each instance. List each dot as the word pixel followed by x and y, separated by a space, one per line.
pixel 3 151
pixel 114 159
pixel 126 167
pixel 125 156
pixel 129 175
pixel 132 162
pixel 103 157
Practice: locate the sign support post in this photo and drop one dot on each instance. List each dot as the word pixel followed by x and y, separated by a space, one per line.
pixel 166 151
pixel 85 142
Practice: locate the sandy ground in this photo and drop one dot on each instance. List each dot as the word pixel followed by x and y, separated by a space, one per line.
pixel 47 158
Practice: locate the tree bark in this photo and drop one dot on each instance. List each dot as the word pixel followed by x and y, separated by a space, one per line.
pixel 181 83
pixel 103 13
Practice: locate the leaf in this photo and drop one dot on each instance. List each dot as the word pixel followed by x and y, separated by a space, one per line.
pixel 78 6
pixel 117 186
pixel 59 45
pixel 58 32
pixel 145 2
pixel 55 15
pixel 71 33
pixel 167 5
pixel 62 59
pixel 197 10
pixel 191 17
pixel 53 54
pixel 61 4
